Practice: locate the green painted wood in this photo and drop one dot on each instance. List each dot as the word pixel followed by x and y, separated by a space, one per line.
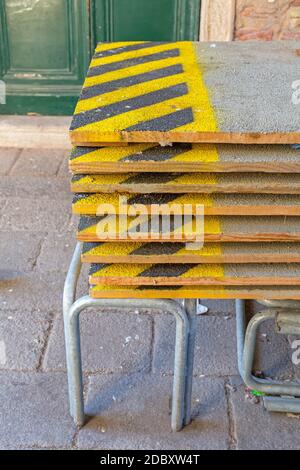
pixel 153 20
pixel 44 54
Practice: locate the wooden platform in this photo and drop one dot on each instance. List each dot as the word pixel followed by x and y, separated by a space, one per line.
pixel 195 274
pixel 186 157
pixel 176 253
pixel 189 92
pixel 214 204
pixel 178 183
pixel 196 292
pixel 216 229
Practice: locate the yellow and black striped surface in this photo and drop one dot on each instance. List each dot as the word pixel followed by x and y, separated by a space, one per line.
pixel 195 274
pixel 186 92
pixel 214 204
pixel 136 86
pixel 216 229
pixel 101 291
pixel 173 253
pixel 178 183
pixel 185 157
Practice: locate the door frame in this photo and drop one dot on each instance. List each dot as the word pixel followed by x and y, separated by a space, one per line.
pixel 217 20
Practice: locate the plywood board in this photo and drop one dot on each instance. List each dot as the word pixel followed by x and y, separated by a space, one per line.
pixel 176 253
pixel 195 292
pixel 195 274
pixel 214 204
pixel 190 92
pixel 216 229
pixel 186 157
pixel 178 183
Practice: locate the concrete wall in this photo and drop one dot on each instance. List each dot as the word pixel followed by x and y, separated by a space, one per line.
pixel 267 20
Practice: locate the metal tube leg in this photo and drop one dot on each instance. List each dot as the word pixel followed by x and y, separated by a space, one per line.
pixel 73 355
pixel 240 332
pixel 191 310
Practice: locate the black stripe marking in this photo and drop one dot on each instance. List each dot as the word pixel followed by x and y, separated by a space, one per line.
pixel 149 199
pixel 76 178
pixel 151 178
pixel 107 87
pixel 124 64
pixel 94 267
pixel 86 222
pixel 80 151
pixel 99 114
pixel 158 249
pixel 165 123
pixel 88 246
pixel 158 153
pixel 132 47
pixel 166 270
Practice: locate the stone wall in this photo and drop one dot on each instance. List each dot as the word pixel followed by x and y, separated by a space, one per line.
pixel 267 20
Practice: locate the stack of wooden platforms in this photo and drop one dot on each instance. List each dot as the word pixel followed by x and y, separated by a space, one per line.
pixel 192 124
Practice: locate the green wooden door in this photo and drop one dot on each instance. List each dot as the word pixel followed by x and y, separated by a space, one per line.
pixel 45 46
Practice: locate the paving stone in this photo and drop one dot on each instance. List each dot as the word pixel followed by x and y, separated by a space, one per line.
pixel 42 162
pixel 31 187
pixel 133 412
pixel 33 290
pixel 8 156
pixel 36 214
pixel 273 353
pixel 111 341
pixel 22 337
pixel 227 307
pixel 34 411
pixel 56 252
pixel 256 428
pixel 19 251
pixel 64 167
pixel 215 352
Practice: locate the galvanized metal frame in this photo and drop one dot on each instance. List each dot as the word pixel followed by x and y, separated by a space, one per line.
pixel 184 314
pixel 280 396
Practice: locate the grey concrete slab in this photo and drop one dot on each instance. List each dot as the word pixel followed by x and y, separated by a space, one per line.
pixel 34 290
pixel 56 251
pixel 38 162
pixel 36 214
pixel 23 335
pixel 215 352
pixel 273 353
pixel 34 411
pixel 111 342
pixel 226 307
pixel 133 412
pixel 255 428
pixel 22 186
pixel 8 157
pixel 19 251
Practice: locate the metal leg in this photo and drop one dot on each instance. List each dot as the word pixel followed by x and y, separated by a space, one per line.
pixel 72 338
pixel 240 332
pixel 191 310
pixel 246 350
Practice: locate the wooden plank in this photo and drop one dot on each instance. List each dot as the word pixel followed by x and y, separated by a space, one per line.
pixel 195 292
pixel 190 92
pixel 176 253
pixel 214 204
pixel 216 229
pixel 178 183
pixel 185 157
pixel 195 274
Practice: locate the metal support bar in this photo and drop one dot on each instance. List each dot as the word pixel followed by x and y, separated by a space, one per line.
pixel 191 310
pixel 72 310
pixel 246 343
